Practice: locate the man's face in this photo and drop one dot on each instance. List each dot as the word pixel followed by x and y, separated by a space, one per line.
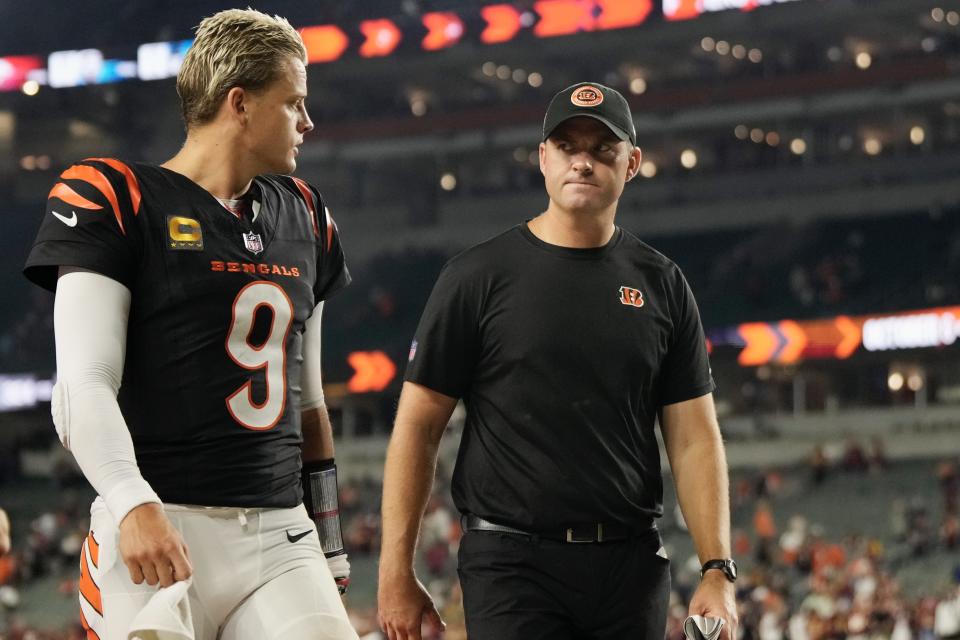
pixel 277 119
pixel 585 166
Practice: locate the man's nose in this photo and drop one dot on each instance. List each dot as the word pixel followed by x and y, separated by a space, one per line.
pixel 582 164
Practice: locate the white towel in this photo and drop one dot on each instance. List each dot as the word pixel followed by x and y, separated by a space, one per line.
pixel 701 628
pixel 166 616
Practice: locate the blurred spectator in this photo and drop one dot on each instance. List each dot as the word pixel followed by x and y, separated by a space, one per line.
pixel 765 530
pixel 818 465
pixel 435 535
pixel 947 616
pixel 878 454
pixel 919 536
pixel 854 457
pixel 949 485
pixel 793 539
pixel 899 527
pixel 950 531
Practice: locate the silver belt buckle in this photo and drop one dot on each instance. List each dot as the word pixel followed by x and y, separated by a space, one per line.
pixel 599 537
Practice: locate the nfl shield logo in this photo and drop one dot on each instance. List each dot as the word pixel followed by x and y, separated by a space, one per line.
pixel 252 242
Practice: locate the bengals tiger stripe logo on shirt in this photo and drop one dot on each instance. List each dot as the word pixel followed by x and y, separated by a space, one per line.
pixel 631 296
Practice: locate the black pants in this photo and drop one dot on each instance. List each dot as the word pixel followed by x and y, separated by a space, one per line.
pixel 523 588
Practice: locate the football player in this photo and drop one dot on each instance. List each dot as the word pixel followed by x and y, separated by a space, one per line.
pixel 187 322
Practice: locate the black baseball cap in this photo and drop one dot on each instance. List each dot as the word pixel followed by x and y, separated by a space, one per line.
pixel 592 100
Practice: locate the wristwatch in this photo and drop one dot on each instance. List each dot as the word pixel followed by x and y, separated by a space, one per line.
pixel 728 566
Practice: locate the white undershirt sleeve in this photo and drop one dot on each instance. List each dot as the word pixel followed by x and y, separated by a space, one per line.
pixel 90 325
pixel 311 383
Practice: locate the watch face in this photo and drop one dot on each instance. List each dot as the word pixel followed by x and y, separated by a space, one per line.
pixel 731 569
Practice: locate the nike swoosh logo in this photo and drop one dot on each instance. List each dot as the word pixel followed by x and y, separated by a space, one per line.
pixel 297 536
pixel 70 222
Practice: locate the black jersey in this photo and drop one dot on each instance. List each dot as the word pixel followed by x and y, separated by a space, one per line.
pixel 563 358
pixel 211 381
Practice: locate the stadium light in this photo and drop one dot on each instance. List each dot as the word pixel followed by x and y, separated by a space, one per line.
pixel 638 86
pixel 30 87
pixel 448 181
pixel 895 381
pixel 535 79
pixel 798 146
pixel 864 60
pixel 915 382
pixel 937 14
pixel 872 146
pixel 708 44
pixel 917 135
pixel 418 102
pixel 741 131
pixel 688 158
pixel 648 169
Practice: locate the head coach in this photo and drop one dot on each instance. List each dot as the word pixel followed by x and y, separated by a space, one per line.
pixel 566 337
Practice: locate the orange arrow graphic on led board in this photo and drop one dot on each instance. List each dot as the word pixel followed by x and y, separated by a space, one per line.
pixel 761 343
pixel 563 17
pixel 444 30
pixel 619 14
pixel 850 336
pixel 682 9
pixel 383 36
pixel 374 371
pixel 503 23
pixel 796 339
pixel 324 43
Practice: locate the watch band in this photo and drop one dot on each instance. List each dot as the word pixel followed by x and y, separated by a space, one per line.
pixel 727 565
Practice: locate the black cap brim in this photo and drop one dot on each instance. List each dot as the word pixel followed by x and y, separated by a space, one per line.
pixel 617 131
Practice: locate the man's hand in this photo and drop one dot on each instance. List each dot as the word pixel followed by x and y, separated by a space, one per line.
pixel 340 568
pixel 715 598
pixel 152 548
pixel 404 605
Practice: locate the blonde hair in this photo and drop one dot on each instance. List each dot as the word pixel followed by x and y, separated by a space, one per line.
pixel 233 48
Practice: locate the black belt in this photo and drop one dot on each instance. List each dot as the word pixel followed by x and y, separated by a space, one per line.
pixel 594 532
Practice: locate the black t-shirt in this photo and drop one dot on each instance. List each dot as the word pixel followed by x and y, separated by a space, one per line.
pixel 211 380
pixel 563 357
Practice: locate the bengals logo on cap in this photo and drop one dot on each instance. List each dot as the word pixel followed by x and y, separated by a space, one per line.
pixel 587 97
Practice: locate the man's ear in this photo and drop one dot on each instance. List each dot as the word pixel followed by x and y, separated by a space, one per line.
pixel 633 166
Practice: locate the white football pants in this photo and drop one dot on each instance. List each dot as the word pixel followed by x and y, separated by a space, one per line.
pixel 254 578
